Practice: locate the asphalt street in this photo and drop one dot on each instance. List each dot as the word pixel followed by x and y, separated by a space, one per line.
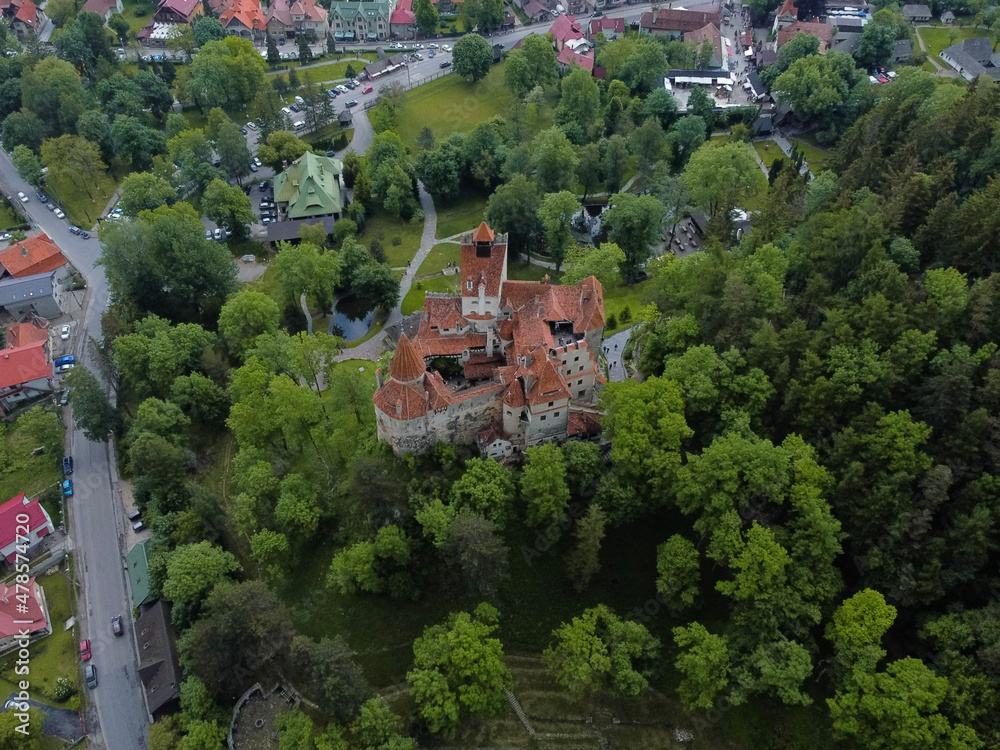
pixel 96 518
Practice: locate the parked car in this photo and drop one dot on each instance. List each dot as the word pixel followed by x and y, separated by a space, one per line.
pixel 63 369
pixel 367 90
pixel 59 213
pixel 69 359
pixel 218 233
pixel 138 526
pixel 65 398
pixel 596 14
pixel 252 125
pixel 67 465
pixel 331 153
pixel 85 235
pixel 22 197
pixel 446 48
pixel 266 204
pixel 352 85
pixel 352 103
pixel 431 54
pixel 244 131
pixel 333 93
pixel 116 213
pixel 446 64
pixel 248 258
pixel 253 167
pixel 116 625
pixel 208 234
pixel 256 160
pixel 74 229
pixel 264 185
pixel 90 675
pixel 342 88
pixel 67 488
pixel 64 333
pixel 42 197
pixel 51 206
pixel 85 650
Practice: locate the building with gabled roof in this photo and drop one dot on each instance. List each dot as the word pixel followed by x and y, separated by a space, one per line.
pixel 503 364
pixel 104 8
pixel 23 609
pixel 31 256
pixel 28 18
pixel 137 560
pixel 916 13
pixel 564 29
pixel 39 525
pixel 159 666
pixel 567 58
pixel 22 334
pixel 25 372
pixel 710 36
pixel 353 20
pixel 675 23
pixel 309 187
pixel 245 19
pixel 27 297
pixel 178 11
pixel 972 58
pixel 822 31
pixel 612 28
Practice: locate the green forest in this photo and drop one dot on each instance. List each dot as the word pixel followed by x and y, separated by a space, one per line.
pixel 786 536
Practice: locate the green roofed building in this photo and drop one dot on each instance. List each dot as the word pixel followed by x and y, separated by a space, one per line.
pixel 309 188
pixel 138 574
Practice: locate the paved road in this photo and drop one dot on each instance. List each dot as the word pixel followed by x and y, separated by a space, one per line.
pixel 614 346
pixel 97 523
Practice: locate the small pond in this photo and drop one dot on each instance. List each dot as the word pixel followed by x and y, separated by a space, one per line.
pixel 353 316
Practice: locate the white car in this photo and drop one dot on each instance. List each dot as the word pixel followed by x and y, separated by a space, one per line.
pixel 252 125
pixel 446 48
pixel 64 333
pixel 60 214
pixel 22 197
pixel 248 258
pixel 218 233
pixel 256 160
pixel 342 89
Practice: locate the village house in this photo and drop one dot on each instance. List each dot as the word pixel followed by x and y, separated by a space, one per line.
pixel 972 58
pixel 675 23
pixel 245 19
pixel 916 13
pixel 352 20
pixel 23 609
pixel 178 11
pixel 31 256
pixel 786 15
pixel 708 36
pixel 28 18
pixel 27 297
pixel 504 364
pixel 25 372
pixel 104 8
pixel 565 29
pixel 159 666
pixel 612 28
pixel 823 31
pixel 39 525
pixel 403 22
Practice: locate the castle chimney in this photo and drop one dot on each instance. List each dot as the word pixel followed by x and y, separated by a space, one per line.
pixel 482 298
pixel 399 408
pixel 378 377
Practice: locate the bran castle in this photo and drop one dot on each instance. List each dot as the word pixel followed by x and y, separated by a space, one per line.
pixel 519 359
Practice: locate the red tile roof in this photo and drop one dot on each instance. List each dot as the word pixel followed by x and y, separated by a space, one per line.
pixel 312 11
pixel 180 7
pixel 101 7
pixel 442 313
pixel 482 270
pixel 788 9
pixel 14 507
pixel 403 13
pixel 20 613
pixel 583 424
pixel 821 30
pixel 600 25
pixel 677 20
pixel 483 233
pixel 569 57
pixel 437 345
pixel 22 334
pixel 406 364
pixel 565 28
pixel 401 401
pixel 279 12
pixel 247 12
pixel 27 13
pixel 36 254
pixel 24 364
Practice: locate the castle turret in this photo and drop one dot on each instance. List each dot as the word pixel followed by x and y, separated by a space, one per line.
pixel 407 366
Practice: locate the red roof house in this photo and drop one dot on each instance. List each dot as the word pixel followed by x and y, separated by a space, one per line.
pixel 245 18
pixel 32 256
pixel 22 610
pixel 28 18
pixel 564 29
pixel 606 26
pixel 822 30
pixel 24 372
pixel 568 58
pixel 22 334
pixel 39 525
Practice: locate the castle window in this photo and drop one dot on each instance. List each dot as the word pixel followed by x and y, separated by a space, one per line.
pixel 468 285
pixel 581 394
pixel 552 403
pixel 581 368
pixel 557 414
pixel 543 418
pixel 580 381
pixel 576 359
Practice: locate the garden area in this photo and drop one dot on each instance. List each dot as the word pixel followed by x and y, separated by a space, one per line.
pixel 20 471
pixel 82 204
pixel 462 215
pixel 400 239
pixel 449 105
pixel 938 38
pixel 414 299
pixel 8 216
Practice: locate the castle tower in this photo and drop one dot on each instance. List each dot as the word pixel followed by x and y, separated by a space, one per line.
pixel 484 271
pixel 407 366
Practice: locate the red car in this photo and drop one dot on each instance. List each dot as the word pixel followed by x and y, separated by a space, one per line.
pixel 367 90
pixel 84 650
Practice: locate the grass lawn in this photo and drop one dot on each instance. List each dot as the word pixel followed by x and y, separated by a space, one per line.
pixel 331 71
pixel 55 655
pixel 617 298
pixel 462 215
pixel 8 216
pixel 768 151
pixel 439 257
pixel 814 154
pixel 937 39
pixel 23 472
pixel 414 299
pixel 527 272
pixel 400 239
pixel 136 23
pixel 328 132
pixel 448 105
pixel 82 206
pixel 929 67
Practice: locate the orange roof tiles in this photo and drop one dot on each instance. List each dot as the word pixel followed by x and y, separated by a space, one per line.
pixel 482 270
pixel 406 364
pixel 27 13
pixel 436 345
pixel 36 254
pixel 401 401
pixel 22 334
pixel 247 12
pixel 483 233
pixel 24 364
pixel 823 31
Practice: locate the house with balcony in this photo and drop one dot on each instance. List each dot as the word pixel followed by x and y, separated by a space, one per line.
pixel 360 21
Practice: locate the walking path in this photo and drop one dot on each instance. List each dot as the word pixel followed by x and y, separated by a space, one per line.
pixel 614 347
pixel 372 348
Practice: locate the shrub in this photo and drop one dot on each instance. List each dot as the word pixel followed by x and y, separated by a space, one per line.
pixel 63 689
pixel 611 322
